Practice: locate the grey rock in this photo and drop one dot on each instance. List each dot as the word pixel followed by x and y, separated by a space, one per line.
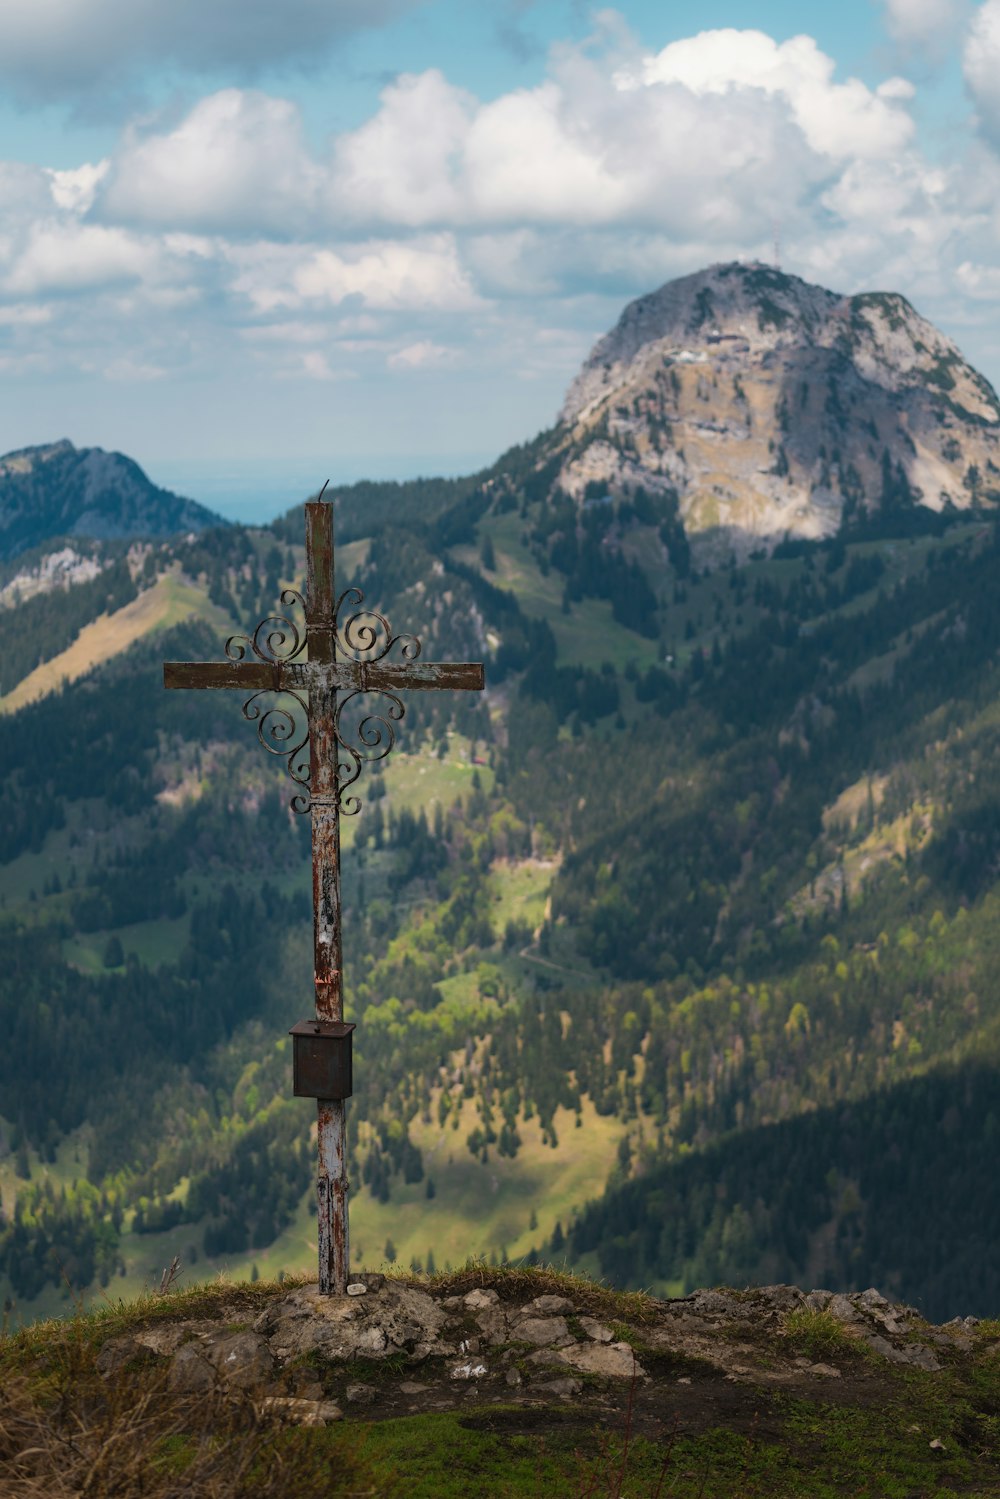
pixel 361 1394
pixel 843 1309
pixel 716 1303
pixel 453 1303
pixel 160 1340
pixel 476 1300
pixel 309 1389
pixel 492 1323
pixel 561 1387
pixel 190 1371
pixel 241 1359
pixel 513 1378
pixel 542 1331
pixel 827 1370
pixel 410 1387
pixel 916 1355
pixel 596 1330
pixel 871 1298
pixel 167 1337
pixel 612 1360
pixel 784 1298
pixel 401 1317
pixel 920 1357
pixel 297 1412
pixel 357 1288
pixel 116 1353
pixel 548 1306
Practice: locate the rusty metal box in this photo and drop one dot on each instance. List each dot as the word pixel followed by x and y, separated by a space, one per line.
pixel 321 1059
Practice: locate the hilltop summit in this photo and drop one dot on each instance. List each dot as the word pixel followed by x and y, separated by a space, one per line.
pixel 771 408
pixel 60 490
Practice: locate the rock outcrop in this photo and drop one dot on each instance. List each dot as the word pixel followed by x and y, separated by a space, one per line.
pixel 310 1359
pixel 768 407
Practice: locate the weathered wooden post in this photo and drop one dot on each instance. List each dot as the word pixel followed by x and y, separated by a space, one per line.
pixel 346 661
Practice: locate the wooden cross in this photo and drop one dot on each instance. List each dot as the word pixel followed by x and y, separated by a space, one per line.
pixel 346 658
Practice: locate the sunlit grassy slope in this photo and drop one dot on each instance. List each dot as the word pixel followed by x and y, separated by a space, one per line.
pixel 168 602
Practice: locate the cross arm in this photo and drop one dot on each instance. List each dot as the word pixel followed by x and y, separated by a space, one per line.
pixel 345 675
pixel 461 676
pixel 252 676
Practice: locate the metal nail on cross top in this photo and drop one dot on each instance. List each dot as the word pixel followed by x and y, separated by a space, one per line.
pixel 315 686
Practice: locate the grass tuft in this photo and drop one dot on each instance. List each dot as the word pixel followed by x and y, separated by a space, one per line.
pixel 521 1282
pixel 68 1431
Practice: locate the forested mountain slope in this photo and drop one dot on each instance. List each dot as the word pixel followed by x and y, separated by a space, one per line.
pixel 59 490
pixel 697 905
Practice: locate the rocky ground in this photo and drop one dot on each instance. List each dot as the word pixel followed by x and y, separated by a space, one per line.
pixel 303 1352
pixel 822 1393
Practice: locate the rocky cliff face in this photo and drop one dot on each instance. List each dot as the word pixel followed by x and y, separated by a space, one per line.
pixel 60 490
pixel 771 407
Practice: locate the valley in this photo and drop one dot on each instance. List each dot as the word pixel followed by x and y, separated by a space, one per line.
pixel 673 959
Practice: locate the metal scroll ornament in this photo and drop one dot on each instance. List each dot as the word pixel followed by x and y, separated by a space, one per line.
pixel 362 735
pixel 283 641
pixel 282 727
pixel 283 732
pixel 365 636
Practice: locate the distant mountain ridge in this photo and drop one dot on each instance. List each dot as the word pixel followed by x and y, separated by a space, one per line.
pixel 773 408
pixel 60 490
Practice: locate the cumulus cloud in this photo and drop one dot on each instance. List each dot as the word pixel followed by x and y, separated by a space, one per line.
pixel 61 48
pixel 839 120
pixel 400 167
pixel 444 219
pixel 981 63
pixel 391 276
pixel 237 161
pixel 927 25
pixel 79 257
pixel 421 274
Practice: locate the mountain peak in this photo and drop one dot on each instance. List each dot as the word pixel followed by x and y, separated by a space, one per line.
pixel 768 405
pixel 56 489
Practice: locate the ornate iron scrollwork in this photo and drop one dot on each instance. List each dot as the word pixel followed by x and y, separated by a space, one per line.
pixel 361 635
pixel 280 729
pixel 282 643
pixel 283 734
pixel 365 636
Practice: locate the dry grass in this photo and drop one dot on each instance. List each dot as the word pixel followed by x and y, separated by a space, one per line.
pixel 67 1432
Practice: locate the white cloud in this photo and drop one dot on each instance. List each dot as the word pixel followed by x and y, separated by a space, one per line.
pixel 649 145
pixel 839 120
pixel 79 257
pixel 424 274
pixel 61 48
pixel 237 161
pixel 76 188
pixel 981 63
pixel 925 24
pixel 444 221
pixel 400 166
pixel 418 355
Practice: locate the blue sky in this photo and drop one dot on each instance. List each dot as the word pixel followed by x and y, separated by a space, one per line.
pixel 256 245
